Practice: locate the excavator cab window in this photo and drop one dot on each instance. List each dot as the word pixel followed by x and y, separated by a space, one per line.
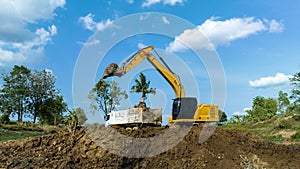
pixel 184 108
pixel 175 108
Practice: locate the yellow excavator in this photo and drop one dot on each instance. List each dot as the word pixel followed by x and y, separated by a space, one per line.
pixel 184 109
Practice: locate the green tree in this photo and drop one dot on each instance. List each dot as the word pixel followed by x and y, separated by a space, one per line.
pixel 222 116
pixel 295 106
pixel 106 96
pixel 15 92
pixel 4 118
pixel 26 93
pixel 262 109
pixel 283 102
pixel 79 112
pixel 295 81
pixel 142 86
pixel 52 111
pixel 42 87
pixel 293 109
pixel 236 119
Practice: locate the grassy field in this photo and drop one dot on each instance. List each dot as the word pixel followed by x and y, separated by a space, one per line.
pixel 278 130
pixel 6 134
pixel 21 131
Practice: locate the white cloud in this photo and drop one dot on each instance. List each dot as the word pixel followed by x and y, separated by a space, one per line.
pixel 222 32
pixel 242 113
pixel 43 37
pixel 90 24
pixel 18 43
pixel 193 37
pixel 270 81
pixel 141 45
pixel 9 56
pixel 149 3
pixel 29 10
pixel 104 25
pixel 21 52
pixel 57 3
pixel 172 2
pixel 90 43
pixel 165 20
pixel 239 113
pixel 53 30
pixel 275 26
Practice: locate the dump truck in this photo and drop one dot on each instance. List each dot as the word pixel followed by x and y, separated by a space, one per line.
pixel 134 117
pixel 184 109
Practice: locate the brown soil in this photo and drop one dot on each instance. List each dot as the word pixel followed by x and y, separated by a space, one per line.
pixel 224 149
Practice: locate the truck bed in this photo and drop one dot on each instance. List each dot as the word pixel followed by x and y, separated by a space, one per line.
pixel 135 116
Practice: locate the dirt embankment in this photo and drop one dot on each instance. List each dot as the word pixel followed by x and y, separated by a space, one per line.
pixel 224 149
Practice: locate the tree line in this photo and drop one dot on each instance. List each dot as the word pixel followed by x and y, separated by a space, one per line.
pixel 32 94
pixel 266 108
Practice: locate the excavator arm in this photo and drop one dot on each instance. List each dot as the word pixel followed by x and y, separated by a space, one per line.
pixel 146 53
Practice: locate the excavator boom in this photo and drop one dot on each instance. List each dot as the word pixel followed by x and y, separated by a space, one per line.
pixel 146 53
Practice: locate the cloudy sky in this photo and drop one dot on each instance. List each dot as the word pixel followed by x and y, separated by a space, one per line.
pixel 257 41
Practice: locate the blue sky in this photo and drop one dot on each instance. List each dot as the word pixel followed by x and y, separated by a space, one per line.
pixel 257 41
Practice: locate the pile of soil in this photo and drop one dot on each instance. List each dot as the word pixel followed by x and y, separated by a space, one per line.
pixel 224 149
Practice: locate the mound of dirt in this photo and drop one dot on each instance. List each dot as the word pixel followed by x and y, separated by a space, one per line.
pixel 224 149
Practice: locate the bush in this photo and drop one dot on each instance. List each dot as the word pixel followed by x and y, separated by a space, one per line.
pixel 4 119
pixel 285 124
pixel 26 124
pixel 296 136
pixel 296 117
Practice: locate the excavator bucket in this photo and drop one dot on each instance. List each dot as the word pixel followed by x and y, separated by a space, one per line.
pixel 110 70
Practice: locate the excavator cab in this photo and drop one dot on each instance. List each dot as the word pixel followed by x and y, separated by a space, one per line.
pixel 184 108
